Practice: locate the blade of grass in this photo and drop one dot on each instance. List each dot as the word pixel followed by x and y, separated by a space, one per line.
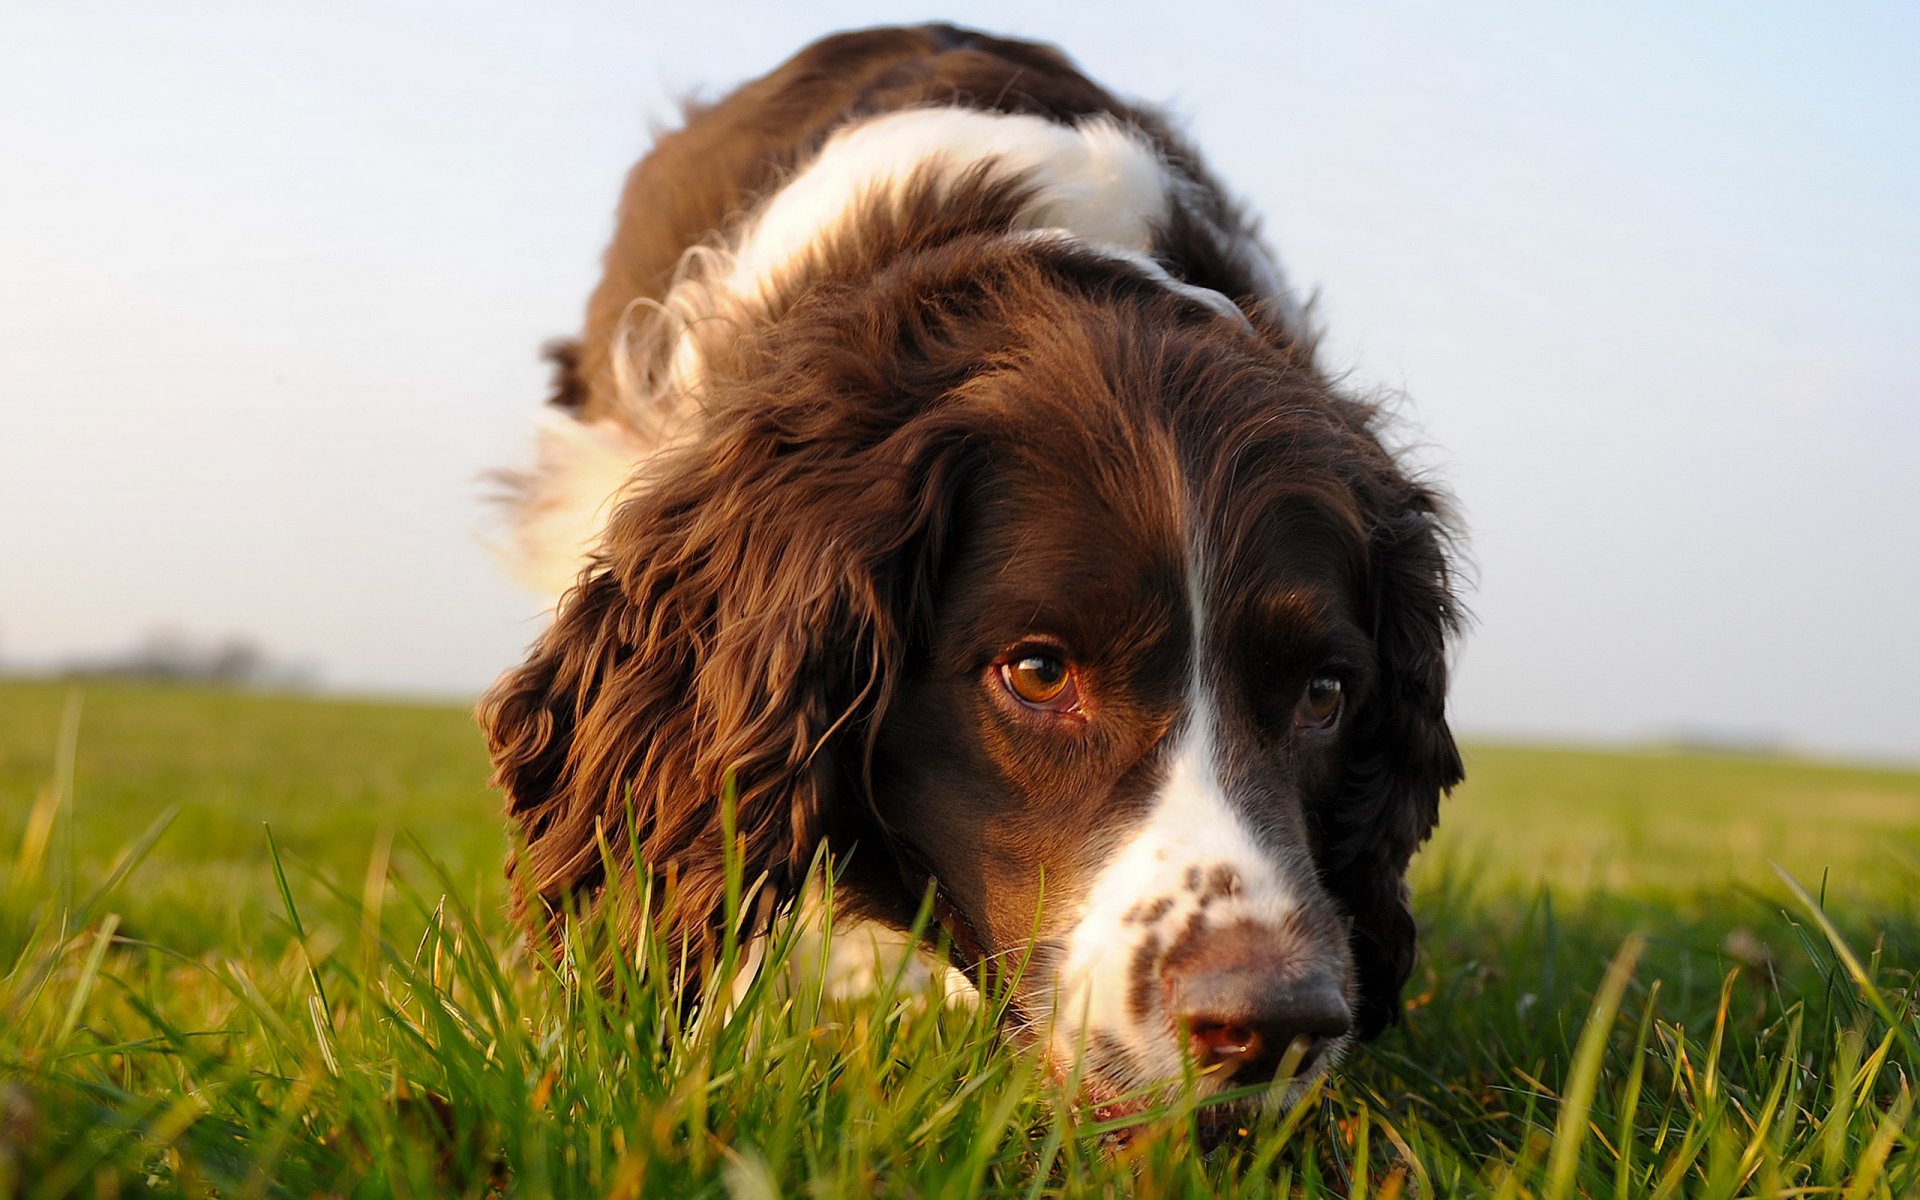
pixel 293 918
pixel 124 865
pixel 1570 1130
pixel 1873 1160
pixel 83 987
pixel 65 768
pixel 1861 977
pixel 1630 1097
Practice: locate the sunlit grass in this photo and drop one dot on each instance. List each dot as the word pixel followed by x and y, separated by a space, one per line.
pixel 189 1007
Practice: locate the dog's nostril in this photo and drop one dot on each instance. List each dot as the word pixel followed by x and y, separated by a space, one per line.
pixel 1246 1020
pixel 1217 1042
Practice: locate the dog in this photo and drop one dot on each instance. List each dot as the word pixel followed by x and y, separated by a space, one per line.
pixel 944 476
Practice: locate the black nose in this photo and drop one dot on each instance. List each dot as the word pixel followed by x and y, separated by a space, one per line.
pixel 1242 1013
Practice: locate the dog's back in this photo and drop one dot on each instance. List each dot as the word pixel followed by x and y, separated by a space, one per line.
pixel 696 184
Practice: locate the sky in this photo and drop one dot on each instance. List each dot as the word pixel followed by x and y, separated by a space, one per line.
pixel 1643 281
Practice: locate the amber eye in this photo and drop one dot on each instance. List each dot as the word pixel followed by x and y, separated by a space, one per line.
pixel 1319 705
pixel 1040 681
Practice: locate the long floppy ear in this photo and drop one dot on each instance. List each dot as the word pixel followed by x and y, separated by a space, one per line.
pixel 737 634
pixel 1404 755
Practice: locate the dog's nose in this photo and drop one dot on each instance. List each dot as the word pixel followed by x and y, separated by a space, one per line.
pixel 1242 1014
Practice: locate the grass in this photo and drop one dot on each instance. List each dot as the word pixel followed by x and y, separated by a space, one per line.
pixel 1619 996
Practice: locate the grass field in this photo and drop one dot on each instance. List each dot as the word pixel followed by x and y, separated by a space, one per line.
pixel 190 1008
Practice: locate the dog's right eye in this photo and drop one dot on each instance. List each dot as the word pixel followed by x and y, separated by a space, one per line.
pixel 1043 681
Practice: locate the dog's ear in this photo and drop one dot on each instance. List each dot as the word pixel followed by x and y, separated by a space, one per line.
pixel 1403 756
pixel 736 636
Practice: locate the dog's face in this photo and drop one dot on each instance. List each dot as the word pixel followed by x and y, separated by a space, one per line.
pixel 1098 613
pixel 1131 726
pixel 1114 748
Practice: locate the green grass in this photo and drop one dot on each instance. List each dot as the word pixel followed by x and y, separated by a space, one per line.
pixel 364 1021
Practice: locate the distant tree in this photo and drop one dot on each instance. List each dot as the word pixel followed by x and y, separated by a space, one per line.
pixel 171 655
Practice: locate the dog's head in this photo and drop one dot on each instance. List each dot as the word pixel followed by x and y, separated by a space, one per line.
pixel 1014 573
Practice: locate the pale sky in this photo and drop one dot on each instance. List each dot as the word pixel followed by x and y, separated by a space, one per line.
pixel 273 278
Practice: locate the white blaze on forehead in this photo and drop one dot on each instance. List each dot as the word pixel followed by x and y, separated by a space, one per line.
pixel 1148 893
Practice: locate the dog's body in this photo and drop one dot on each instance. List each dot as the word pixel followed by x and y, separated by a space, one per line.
pixel 954 485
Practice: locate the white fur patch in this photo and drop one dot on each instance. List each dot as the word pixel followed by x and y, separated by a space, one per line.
pixel 1099 181
pixel 582 470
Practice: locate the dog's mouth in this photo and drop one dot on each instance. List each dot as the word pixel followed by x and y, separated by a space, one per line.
pixel 1218 1104
pixel 1122 1119
pixel 1220 1108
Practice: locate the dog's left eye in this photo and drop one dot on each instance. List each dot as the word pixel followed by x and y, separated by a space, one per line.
pixel 1043 681
pixel 1320 704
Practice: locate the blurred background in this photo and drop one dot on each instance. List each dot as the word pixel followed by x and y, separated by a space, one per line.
pixel 1647 278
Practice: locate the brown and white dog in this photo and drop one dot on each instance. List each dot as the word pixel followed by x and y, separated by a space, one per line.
pixel 945 469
